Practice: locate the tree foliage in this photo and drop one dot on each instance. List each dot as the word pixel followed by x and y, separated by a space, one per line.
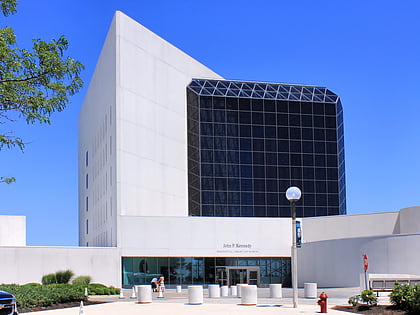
pixel 33 83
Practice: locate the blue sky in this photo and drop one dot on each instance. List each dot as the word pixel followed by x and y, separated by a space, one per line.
pixel 365 51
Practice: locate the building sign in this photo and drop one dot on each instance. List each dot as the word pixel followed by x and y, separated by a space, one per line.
pixel 237 248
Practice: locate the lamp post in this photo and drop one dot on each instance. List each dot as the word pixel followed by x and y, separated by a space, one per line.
pixel 293 194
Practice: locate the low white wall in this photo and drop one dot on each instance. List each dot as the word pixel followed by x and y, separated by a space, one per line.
pixel 205 236
pixel 12 231
pixel 349 226
pixel 22 265
pixel 338 263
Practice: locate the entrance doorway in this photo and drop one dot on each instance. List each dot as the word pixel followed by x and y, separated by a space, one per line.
pixel 229 275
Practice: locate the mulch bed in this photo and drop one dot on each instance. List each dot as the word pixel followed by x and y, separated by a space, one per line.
pixel 370 310
pixel 59 306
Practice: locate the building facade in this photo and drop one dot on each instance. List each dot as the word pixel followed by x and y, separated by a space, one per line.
pixel 164 140
pixel 248 142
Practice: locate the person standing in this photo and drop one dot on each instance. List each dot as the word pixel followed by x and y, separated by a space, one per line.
pixel 154 284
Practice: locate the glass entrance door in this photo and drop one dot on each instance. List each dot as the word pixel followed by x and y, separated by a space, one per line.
pixel 233 275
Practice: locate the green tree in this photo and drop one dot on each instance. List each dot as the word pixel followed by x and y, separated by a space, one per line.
pixel 33 83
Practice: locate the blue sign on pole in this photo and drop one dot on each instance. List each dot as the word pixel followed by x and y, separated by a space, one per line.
pixel 298 235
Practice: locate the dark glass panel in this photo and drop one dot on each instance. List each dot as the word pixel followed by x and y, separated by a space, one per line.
pixel 258 158
pixel 330 122
pixel 259 171
pixel 332 186
pixel 219 116
pixel 320 187
pixel 331 135
pixel 260 211
pixel 283 145
pixel 257 118
pixel 257 105
pixel 283 132
pixel 285 212
pixel 333 200
pixel 220 197
pixel 307 147
pixel 220 170
pixel 245 130
pixel 308 160
pixel 207 197
pixel 271 212
pixel 320 211
pixel 259 198
pixel 219 102
pixel 245 117
pixel 206 102
pixel 332 161
pixel 258 144
pixel 232 143
pixel 332 173
pixel 270 132
pixel 206 115
pixel 220 183
pixel 219 143
pixel 269 106
pixel 258 131
pixel 246 157
pixel 206 142
pixel 232 103
pixel 294 107
pixel 206 156
pixel 246 171
pixel 207 170
pixel 220 210
pixel 245 144
pixel 206 129
pixel 321 200
pixel 247 211
pixel 283 119
pixel 319 147
pixel 295 133
pixel 271 185
pixel 272 199
pixel 307 133
pixel 309 211
pixel 233 184
pixel 319 122
pixel 295 146
pixel 294 120
pixel 244 104
pixel 318 108
pixel 330 109
pixel 270 158
pixel 319 160
pixel 233 157
pixel 220 130
pixel 232 117
pixel 246 198
pixel 259 184
pixel 331 148
pixel 234 211
pixel 207 183
pixel 283 159
pixel 270 145
pixel 319 134
pixel 295 159
pixel 296 173
pixel 320 173
pixel 282 106
pixel 306 108
pixel 308 185
pixel 219 156
pixel 271 172
pixel 307 121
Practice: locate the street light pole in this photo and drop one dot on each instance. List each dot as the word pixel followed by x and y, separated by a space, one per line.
pixel 293 194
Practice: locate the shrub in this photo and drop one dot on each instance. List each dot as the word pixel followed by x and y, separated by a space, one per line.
pixel 49 279
pixel 406 297
pixel 354 300
pixel 64 276
pixel 82 280
pixel 369 297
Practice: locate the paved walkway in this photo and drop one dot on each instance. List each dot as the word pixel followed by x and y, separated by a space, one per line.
pixel 177 304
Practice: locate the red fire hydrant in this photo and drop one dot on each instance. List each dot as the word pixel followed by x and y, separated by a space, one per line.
pixel 323 302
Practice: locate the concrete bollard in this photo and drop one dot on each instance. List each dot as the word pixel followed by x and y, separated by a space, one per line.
pixel 234 290
pixel 240 286
pixel 214 290
pixel 195 294
pixel 249 295
pixel 310 290
pixel 133 293
pixel 276 290
pixel 178 289
pixel 144 293
pixel 224 290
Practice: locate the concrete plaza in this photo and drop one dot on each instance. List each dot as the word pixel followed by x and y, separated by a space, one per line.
pixel 177 303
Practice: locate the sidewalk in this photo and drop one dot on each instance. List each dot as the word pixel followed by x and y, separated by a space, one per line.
pixel 177 304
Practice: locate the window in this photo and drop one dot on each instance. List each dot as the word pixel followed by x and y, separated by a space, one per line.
pixel 87 158
pixel 87 181
pixel 87 203
pixel 87 226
